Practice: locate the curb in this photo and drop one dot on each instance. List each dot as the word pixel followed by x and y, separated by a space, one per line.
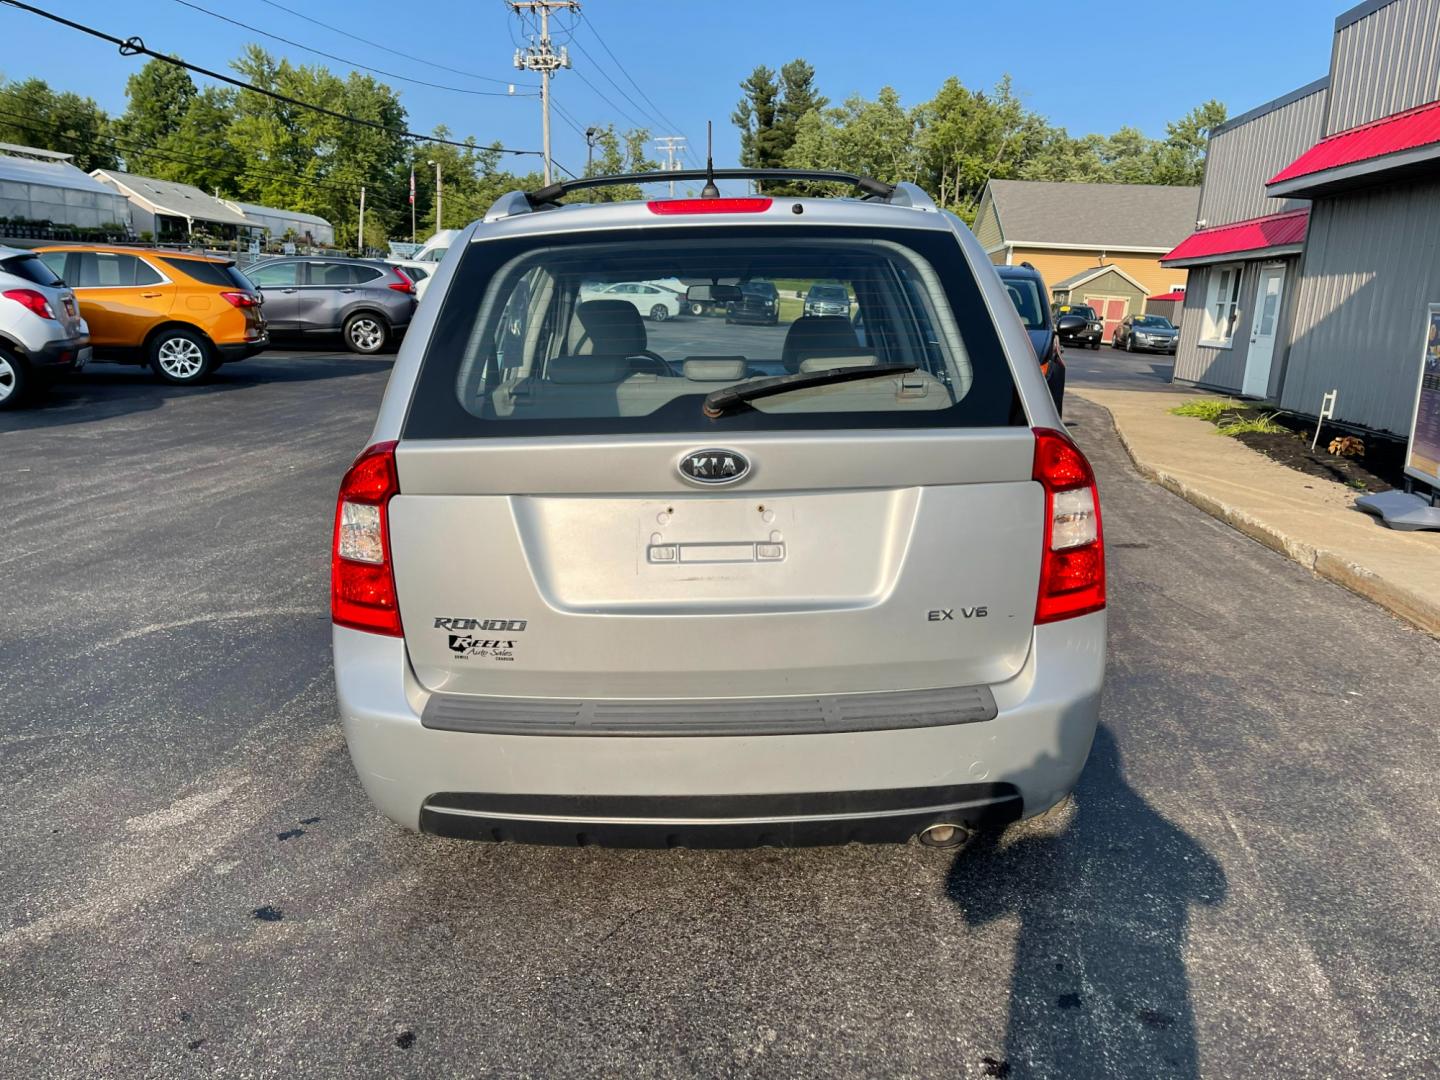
pixel 1415 608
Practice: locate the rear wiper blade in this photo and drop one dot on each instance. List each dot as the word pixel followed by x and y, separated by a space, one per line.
pixel 721 401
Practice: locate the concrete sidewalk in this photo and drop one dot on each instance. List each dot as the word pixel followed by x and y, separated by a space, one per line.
pixel 1311 520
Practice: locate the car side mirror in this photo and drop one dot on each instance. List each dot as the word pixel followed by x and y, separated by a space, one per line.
pixel 712 294
pixel 1069 323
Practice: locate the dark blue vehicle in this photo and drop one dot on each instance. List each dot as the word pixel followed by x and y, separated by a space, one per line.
pixel 1032 300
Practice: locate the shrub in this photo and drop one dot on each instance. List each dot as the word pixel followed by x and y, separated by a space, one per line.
pixel 1252 425
pixel 1208 409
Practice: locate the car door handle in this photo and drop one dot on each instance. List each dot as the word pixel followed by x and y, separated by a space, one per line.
pixel 151 295
pixel 288 291
pixel 347 290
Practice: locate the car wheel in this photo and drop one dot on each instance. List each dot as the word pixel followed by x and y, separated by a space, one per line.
pixel 659 313
pixel 180 357
pixel 697 309
pixel 14 380
pixel 366 333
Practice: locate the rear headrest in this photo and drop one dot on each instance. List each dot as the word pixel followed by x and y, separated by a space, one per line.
pixel 609 328
pixel 817 335
pixel 858 358
pixel 715 369
pixel 588 369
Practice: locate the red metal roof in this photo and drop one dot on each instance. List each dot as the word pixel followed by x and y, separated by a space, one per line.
pixel 1274 230
pixel 1391 134
pixel 1178 294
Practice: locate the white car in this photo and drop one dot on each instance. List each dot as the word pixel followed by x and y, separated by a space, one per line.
pixel 654 302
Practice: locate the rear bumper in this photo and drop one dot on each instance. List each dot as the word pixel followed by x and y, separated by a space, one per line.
pixel 723 789
pixel 62 354
pixel 242 349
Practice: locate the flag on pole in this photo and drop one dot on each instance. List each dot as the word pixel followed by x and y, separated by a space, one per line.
pixel 412 185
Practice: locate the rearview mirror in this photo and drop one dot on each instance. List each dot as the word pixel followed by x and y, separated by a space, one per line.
pixel 1070 323
pixel 712 294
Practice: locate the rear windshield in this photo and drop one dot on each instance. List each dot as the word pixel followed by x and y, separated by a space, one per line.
pixel 210 273
pixel 537 336
pixel 1025 295
pixel 31 268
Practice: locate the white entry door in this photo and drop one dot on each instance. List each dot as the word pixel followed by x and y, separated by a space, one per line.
pixel 1263 330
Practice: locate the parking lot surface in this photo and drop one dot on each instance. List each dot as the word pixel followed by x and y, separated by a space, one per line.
pixel 1245 886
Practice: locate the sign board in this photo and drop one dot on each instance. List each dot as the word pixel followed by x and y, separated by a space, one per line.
pixel 1422 456
pixel 288 248
pixel 254 247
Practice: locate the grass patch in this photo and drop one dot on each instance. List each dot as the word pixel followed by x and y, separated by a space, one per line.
pixel 790 308
pixel 1252 425
pixel 1207 409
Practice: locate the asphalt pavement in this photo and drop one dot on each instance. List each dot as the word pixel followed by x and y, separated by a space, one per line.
pixel 194 884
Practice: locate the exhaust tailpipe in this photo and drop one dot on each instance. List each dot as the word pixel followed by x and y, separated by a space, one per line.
pixel 946 834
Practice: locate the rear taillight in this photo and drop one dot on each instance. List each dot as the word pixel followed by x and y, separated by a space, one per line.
pixel 404 285
pixel 31 299
pixel 1072 562
pixel 362 581
pixel 740 205
pixel 241 299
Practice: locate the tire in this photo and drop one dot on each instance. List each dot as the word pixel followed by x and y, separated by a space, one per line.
pixel 1130 345
pixel 659 313
pixel 181 357
pixel 14 380
pixel 697 309
pixel 365 333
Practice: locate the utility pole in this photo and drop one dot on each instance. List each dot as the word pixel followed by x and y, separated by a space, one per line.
pixel 362 221
pixel 540 57
pixel 670 144
pixel 438 194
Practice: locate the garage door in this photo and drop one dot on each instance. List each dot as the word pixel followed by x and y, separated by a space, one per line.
pixel 1112 309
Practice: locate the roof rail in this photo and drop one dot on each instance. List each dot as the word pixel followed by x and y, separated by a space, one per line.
pixel 552 192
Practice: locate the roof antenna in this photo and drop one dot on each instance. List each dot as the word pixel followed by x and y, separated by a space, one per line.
pixel 709 191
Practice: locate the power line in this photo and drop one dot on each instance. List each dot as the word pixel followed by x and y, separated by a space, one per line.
pixel 596 90
pixel 134 46
pixel 387 48
pixel 341 59
pixel 631 79
pixel 619 89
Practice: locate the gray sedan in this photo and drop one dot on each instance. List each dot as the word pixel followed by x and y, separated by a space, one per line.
pixel 366 301
pixel 1151 333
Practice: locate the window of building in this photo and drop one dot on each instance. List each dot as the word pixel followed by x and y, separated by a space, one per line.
pixel 1222 305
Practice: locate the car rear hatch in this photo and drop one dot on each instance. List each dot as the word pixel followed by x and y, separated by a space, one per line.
pixel 571 525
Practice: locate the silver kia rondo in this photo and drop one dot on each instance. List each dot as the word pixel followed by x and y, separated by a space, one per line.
pixel 694 583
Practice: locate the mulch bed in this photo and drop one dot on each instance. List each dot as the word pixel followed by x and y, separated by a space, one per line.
pixel 1380 469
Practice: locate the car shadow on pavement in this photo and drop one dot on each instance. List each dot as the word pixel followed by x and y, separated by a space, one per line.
pixel 1099 986
pixel 107 391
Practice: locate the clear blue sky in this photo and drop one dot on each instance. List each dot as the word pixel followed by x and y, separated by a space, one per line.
pixel 1088 67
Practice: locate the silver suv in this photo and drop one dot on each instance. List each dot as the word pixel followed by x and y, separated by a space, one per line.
pixel 366 301
pixel 839 579
pixel 41 332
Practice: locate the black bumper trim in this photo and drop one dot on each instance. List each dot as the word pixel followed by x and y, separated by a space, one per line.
pixel 681 718
pixel 793 819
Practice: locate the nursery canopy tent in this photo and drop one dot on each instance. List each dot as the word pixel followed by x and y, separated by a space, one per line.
pixel 41 185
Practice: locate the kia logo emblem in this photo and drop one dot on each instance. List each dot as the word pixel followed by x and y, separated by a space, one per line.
pixel 714 466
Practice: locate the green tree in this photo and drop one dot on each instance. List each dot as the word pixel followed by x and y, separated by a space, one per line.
pixel 617 153
pixel 1180 159
pixel 762 144
pixel 32 114
pixel 157 98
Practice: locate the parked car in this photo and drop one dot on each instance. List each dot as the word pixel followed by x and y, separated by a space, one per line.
pixel 654 302
pixel 759 302
pixel 1026 289
pixel 1148 333
pixel 366 301
pixel 184 315
pixel 588 592
pixel 1085 328
pixel 827 300
pixel 42 334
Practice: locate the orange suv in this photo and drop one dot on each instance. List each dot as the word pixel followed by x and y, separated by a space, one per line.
pixel 182 314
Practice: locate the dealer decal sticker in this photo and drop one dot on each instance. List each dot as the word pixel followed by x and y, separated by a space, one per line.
pixel 481 645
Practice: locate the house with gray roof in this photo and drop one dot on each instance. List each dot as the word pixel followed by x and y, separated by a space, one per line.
pixel 1066 230
pixel 173 211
